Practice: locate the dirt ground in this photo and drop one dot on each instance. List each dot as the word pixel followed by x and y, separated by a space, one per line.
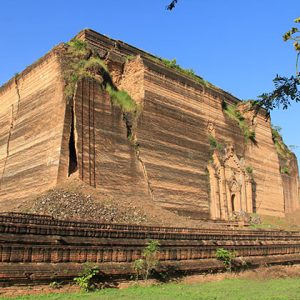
pixel 260 274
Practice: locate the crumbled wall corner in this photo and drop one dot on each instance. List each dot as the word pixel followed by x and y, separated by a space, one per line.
pixel 132 79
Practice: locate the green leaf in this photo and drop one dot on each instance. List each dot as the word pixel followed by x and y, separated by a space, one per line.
pixel 297 20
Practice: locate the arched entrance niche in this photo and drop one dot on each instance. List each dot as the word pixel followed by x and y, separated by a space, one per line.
pixel 230 185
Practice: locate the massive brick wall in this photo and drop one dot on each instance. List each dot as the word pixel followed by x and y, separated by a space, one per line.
pixel 45 139
pixel 31 120
pixel 291 185
pixel 106 159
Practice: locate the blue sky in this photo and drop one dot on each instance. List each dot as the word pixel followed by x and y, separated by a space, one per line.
pixel 237 45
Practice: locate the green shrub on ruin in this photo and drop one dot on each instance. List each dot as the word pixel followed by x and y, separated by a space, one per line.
pixel 144 266
pixel 281 148
pixel 234 114
pixel 189 72
pixel 80 61
pixel 172 64
pixel 86 279
pixel 130 57
pixel 249 169
pixel 225 256
pixel 122 100
pixel 78 46
pixel 285 170
pixel 214 144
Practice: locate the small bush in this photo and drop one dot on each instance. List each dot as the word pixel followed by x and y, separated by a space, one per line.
pixel 226 257
pixel 214 144
pixel 95 62
pixel 249 169
pixel 234 114
pixel 285 170
pixel 130 57
pixel 121 99
pixel 189 72
pixel 281 148
pixel 79 61
pixel 144 266
pixel 78 45
pixel 55 285
pixel 86 279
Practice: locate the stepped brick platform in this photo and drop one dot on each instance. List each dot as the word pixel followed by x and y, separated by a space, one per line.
pixel 37 248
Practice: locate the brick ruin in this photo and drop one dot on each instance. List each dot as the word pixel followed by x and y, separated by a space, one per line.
pixel 36 249
pixel 180 149
pixel 182 143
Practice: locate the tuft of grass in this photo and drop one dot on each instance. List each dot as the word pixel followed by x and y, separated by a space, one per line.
pixel 130 57
pixel 234 114
pixel 189 72
pixel 249 169
pixel 78 46
pixel 285 170
pixel 281 148
pixel 95 62
pixel 214 144
pixel 122 99
pixel 78 62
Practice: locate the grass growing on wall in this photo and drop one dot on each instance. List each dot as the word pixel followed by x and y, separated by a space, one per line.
pixel 234 114
pixel 214 144
pixel 122 99
pixel 80 61
pixel 281 147
pixel 172 64
pixel 282 150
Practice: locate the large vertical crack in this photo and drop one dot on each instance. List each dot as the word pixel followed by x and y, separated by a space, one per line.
pixel 14 116
pixel 131 136
pixel 73 157
pixel 72 149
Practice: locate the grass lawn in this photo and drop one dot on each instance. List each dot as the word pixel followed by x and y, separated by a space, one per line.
pixel 219 290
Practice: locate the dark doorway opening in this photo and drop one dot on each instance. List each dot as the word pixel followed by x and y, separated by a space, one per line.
pixel 232 202
pixel 72 148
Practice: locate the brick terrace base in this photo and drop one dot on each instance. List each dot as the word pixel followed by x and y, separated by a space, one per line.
pixel 41 249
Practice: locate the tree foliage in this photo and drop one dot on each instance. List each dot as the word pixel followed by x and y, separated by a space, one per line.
pixel 286 89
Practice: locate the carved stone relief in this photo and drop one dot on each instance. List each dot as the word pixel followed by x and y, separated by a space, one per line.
pixel 230 185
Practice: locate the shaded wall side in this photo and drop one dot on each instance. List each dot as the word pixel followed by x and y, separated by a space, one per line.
pixel 291 184
pixel 263 158
pixel 31 120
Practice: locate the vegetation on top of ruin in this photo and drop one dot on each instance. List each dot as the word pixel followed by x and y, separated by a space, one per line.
pixel 79 61
pixel 287 89
pixel 82 61
pixel 188 72
pixel 234 114
pixel 281 148
pixel 122 99
pixel 214 144
pixel 283 151
pixel 249 169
